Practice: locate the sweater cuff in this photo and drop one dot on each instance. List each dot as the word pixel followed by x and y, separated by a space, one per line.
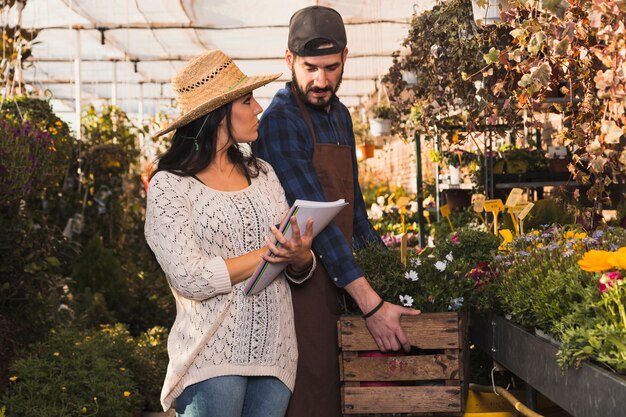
pixel 221 278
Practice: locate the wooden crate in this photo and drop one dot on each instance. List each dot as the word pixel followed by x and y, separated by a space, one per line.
pixel 428 381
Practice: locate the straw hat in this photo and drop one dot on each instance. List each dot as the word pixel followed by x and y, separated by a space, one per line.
pixel 207 82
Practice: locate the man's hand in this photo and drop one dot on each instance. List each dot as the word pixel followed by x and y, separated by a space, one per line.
pixel 384 326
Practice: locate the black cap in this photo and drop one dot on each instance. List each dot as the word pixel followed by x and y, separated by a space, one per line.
pixel 316 22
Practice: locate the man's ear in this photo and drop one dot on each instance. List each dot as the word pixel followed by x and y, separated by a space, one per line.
pixel 344 55
pixel 289 59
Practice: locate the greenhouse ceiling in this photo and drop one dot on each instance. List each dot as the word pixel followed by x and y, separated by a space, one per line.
pixel 129 49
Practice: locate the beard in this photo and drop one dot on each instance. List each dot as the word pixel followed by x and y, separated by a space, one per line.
pixel 318 103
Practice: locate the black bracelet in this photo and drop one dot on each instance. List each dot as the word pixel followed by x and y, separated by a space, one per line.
pixel 374 310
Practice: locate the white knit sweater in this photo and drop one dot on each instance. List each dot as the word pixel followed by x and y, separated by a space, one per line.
pixel 218 331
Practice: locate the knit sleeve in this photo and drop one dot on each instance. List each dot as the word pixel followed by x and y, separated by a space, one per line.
pixel 170 235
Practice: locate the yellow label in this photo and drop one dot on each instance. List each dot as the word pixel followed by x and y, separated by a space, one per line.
pixel 514 197
pixel 525 211
pixel 478 202
pixel 445 210
pixel 494 205
pixel 517 209
pixel 402 202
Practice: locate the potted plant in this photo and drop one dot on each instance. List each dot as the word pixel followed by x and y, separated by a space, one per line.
pixel 364 142
pixel 380 124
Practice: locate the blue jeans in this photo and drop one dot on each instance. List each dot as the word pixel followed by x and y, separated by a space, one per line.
pixel 234 396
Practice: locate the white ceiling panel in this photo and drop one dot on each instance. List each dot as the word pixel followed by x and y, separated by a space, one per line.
pixel 152 39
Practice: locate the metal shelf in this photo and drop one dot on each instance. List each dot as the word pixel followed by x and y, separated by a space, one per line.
pixel 589 391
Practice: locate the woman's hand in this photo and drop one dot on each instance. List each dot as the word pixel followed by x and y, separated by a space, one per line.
pixel 295 251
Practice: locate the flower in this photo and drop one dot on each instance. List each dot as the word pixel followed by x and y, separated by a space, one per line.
pixel 56 354
pixel 406 300
pixel 126 393
pixel 609 280
pixel 13 378
pixel 411 275
pixel 455 239
pixel 416 261
pixel 441 266
pixel 456 304
pixel 595 261
pixel 618 259
pixel 449 257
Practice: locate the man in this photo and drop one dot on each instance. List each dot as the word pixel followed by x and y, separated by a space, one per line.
pixel 306 134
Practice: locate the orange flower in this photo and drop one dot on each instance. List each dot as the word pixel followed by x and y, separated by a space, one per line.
pixel 618 259
pixel 595 261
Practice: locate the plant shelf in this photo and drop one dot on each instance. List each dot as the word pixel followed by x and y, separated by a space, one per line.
pixel 589 391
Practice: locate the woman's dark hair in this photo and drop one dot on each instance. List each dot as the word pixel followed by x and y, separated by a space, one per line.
pixel 193 150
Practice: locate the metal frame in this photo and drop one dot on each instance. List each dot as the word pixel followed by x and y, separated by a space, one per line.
pixel 589 391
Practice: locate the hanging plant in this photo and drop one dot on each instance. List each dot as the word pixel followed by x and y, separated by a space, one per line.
pixel 570 57
pixel 443 52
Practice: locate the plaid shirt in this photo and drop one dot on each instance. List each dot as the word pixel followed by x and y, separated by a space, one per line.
pixel 285 142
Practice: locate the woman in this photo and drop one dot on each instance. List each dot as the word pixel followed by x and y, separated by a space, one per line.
pixel 210 208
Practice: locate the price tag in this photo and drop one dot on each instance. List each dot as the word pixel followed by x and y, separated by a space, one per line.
pixel 524 212
pixel 494 205
pixel 514 197
pixel 478 202
pixel 445 210
pixel 402 202
pixel 517 209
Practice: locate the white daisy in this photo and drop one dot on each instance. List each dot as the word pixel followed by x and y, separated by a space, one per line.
pixel 416 261
pixel 406 300
pixel 441 266
pixel 449 257
pixel 412 275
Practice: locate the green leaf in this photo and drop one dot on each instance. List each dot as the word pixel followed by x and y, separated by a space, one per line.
pixel 557 7
pixel 493 56
pixel 542 74
pixel 536 42
pixel 53 261
pixel 562 47
pixel 525 81
pixel 518 33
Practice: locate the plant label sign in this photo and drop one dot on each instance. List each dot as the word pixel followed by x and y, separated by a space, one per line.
pixel 495 207
pixel 524 212
pixel 445 212
pixel 514 197
pixel 478 203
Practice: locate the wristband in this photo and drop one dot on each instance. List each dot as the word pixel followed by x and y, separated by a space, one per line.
pixel 374 310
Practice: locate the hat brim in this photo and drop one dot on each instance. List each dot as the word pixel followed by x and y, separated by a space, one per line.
pixel 248 85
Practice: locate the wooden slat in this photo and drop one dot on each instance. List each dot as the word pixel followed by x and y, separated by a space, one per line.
pixel 426 331
pixel 366 400
pixel 401 368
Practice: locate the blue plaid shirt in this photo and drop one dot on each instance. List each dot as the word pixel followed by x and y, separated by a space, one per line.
pixel 286 143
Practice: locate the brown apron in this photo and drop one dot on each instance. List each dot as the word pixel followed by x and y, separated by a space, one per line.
pixel 316 302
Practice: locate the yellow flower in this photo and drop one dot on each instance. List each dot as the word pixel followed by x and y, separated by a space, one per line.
pixel 508 238
pixel 13 378
pixel 126 393
pixel 570 234
pixel 123 369
pixel 618 259
pixel 595 261
pixel 84 410
pixel 56 354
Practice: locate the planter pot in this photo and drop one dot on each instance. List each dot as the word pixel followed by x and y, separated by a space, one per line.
pixel 589 391
pixel 516 167
pixel 558 165
pixel 380 127
pixel 489 13
pixel 368 150
pixel 429 379
pixel 458 199
pixel 455 175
